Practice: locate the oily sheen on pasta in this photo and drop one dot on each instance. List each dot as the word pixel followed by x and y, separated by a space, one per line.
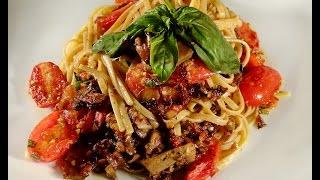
pixel 161 125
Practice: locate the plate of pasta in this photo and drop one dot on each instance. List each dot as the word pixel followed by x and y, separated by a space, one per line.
pixel 159 89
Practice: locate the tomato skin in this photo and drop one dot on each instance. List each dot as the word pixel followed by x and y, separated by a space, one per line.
pixel 251 38
pixel 172 93
pixel 197 72
pixel 254 61
pixel 106 21
pixel 46 84
pixel 121 1
pixel 205 166
pixel 191 72
pixel 248 35
pixel 259 85
pixel 135 78
pixel 50 139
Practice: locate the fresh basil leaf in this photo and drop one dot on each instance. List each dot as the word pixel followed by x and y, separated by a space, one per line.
pixel 164 23
pixel 110 42
pixel 163 55
pixel 150 23
pixel 200 32
pixel 160 10
pixel 155 20
pixel 170 6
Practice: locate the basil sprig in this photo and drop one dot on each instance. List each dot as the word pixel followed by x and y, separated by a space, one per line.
pixel 199 31
pixel 165 24
pixel 163 54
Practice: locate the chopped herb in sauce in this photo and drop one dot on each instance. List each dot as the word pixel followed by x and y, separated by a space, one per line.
pixel 152 83
pixel 77 85
pixel 35 156
pixel 31 143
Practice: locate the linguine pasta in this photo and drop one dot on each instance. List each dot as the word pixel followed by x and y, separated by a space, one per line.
pixel 79 56
pixel 221 111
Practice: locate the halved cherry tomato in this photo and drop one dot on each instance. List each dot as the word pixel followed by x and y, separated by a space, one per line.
pixel 50 139
pixel 259 85
pixel 135 78
pixel 106 21
pixel 197 72
pixel 255 60
pixel 193 71
pixel 205 166
pixel 121 1
pixel 248 35
pixel 46 84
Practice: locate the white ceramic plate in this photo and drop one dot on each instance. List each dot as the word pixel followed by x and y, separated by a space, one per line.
pixel 38 30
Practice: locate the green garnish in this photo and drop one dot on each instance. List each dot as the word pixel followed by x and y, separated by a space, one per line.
pixel 77 85
pixel 192 26
pixel 151 83
pixel 31 143
pixel 264 111
pixel 35 156
pixel 200 32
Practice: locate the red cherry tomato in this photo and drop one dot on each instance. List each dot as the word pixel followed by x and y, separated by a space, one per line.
pixel 46 84
pixel 192 72
pixel 204 167
pixel 248 35
pixel 50 139
pixel 135 78
pixel 106 21
pixel 122 1
pixel 197 72
pixel 254 61
pixel 259 85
